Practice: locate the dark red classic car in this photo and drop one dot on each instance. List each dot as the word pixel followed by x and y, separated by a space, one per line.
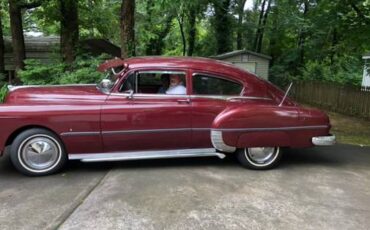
pixel 156 107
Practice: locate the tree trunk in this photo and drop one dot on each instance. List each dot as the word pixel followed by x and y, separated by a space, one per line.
pixel 259 25
pixel 17 35
pixel 222 26
pixel 334 42
pixel 192 31
pixel 127 28
pixel 302 37
pixel 262 29
pixel 239 34
pixel 2 48
pixel 180 20
pixel 69 31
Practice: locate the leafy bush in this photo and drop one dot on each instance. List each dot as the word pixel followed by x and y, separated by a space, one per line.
pixel 346 70
pixel 3 92
pixel 82 70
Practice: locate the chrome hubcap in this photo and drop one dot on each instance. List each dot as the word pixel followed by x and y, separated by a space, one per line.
pixel 262 155
pixel 40 153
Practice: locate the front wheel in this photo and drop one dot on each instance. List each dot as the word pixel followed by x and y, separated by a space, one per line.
pixel 259 157
pixel 37 152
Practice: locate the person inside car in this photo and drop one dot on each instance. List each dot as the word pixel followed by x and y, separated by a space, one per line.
pixel 165 79
pixel 176 85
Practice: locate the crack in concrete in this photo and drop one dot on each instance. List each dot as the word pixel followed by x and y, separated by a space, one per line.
pixel 77 203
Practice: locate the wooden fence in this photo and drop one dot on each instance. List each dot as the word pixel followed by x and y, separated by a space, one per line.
pixel 337 98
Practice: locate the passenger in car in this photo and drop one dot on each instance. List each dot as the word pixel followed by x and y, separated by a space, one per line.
pixel 165 80
pixel 176 85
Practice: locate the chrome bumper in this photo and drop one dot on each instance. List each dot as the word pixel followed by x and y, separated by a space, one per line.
pixel 323 140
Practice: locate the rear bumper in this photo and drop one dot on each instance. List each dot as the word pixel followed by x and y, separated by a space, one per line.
pixel 323 140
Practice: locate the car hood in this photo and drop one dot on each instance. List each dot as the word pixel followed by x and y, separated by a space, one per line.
pixel 60 94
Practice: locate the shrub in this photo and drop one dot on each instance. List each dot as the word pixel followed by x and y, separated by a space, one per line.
pixel 82 70
pixel 3 92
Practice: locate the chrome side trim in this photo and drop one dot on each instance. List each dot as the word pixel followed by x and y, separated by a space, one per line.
pixel 140 155
pixel 219 144
pixel 138 131
pixel 272 129
pixel 323 140
pixel 249 98
pixel 80 134
pixel 146 131
pixel 12 87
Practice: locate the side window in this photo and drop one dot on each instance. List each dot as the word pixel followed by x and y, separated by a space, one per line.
pixel 156 82
pixel 211 85
pixel 128 84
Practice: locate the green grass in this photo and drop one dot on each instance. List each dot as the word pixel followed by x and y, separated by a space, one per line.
pixel 350 130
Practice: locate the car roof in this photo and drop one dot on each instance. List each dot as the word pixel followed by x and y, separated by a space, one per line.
pixel 196 63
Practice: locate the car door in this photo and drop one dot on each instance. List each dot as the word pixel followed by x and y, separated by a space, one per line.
pixel 147 119
pixel 208 99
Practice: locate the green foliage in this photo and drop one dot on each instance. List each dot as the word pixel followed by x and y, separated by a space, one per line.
pixel 83 70
pixel 325 43
pixel 3 92
pixel 346 71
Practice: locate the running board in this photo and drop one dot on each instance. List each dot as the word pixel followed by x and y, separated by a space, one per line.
pixel 141 155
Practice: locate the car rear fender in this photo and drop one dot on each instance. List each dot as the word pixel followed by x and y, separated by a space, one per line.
pixel 256 125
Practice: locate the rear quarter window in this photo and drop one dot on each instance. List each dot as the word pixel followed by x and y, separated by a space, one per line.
pixel 212 85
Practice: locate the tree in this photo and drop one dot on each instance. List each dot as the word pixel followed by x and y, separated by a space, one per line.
pixel 69 29
pixel 16 25
pixel 2 48
pixel 222 26
pixel 127 28
pixel 240 12
pixel 262 20
pixel 17 34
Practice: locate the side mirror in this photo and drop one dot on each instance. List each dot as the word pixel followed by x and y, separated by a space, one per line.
pixel 129 94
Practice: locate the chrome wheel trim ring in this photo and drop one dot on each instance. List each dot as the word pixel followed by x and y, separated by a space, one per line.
pixel 261 156
pixel 39 153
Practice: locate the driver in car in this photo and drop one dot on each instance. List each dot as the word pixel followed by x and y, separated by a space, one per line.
pixel 176 85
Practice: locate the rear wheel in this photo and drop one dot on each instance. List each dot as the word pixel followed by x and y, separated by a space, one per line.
pixel 37 152
pixel 259 157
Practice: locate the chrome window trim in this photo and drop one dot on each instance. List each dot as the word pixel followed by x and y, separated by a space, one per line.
pixel 161 72
pixel 220 77
pixel 153 95
pixel 229 98
pixel 217 76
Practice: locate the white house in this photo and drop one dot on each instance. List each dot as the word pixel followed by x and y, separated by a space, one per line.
pixel 366 77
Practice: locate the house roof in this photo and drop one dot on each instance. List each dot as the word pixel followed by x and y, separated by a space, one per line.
pixel 239 52
pixel 366 56
pixel 50 43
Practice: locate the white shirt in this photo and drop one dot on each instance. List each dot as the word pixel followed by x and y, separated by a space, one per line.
pixel 178 89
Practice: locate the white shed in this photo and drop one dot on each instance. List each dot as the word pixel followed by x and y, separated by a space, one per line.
pixel 366 76
pixel 253 62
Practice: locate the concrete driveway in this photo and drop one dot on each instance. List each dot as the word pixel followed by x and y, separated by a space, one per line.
pixel 318 188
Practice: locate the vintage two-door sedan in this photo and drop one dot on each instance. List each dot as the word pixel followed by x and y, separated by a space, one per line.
pixel 155 107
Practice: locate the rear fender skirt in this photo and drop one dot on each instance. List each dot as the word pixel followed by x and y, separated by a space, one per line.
pixel 266 139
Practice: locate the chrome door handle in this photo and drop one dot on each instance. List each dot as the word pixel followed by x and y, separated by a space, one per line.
pixel 184 101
